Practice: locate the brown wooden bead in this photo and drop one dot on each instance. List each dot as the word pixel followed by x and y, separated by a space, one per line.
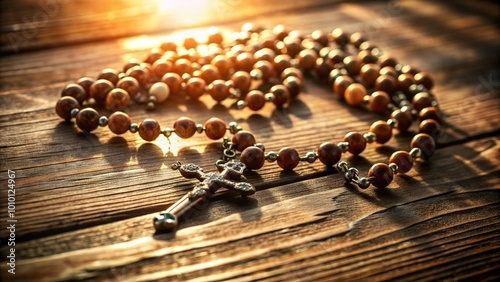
pixel 161 67
pixel 222 63
pixel 209 73
pixel 357 38
pixel 386 83
pixel 280 31
pixel 119 122
pixel 336 56
pixel 430 113
pixel 242 140
pixel 389 71
pixel 369 73
pixel 182 66
pixel 281 62
pixel 264 54
pixel 321 37
pixel 357 142
pixel 168 46
pixel 281 95
pixel 219 90
pixel 154 55
pixel 87 119
pixel 404 120
pixel 354 94
pixel 368 45
pixel 403 160
pixel 329 153
pixel 184 127
pixel 387 61
pixel 174 82
pixel 425 143
pixel 288 158
pixel 340 85
pixel 195 88
pixel 149 129
pixel 253 157
pixel 382 131
pixel 293 46
pixel 430 127
pixel 117 99
pixel 366 57
pixel 381 174
pixel 190 43
pixel 65 105
pixel 133 62
pixel 422 100
pixel 424 79
pixel 292 72
pixel 85 82
pixel 405 80
pixel 76 91
pixel 379 101
pixel 266 68
pixel 323 68
pixel 352 65
pixel 340 36
pixel 215 128
pixel 255 100
pixel 109 74
pixel 142 75
pixel 242 81
pixel 100 89
pixel 245 61
pixel 307 59
pixel 409 69
pixel 294 86
pixel 129 84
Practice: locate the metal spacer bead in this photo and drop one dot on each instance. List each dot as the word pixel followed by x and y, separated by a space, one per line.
pixel 103 121
pixel 405 108
pixel 370 137
pixel 269 97
pixel 394 167
pixel 74 112
pixel 199 128
pixel 233 127
pixel 434 103
pixel 310 157
pixel 415 153
pixel 256 74
pixel 354 171
pixel 363 183
pixel 344 146
pixel 342 166
pixel 241 104
pixel 235 93
pixel 392 122
pixel 260 146
pixel 272 157
pixel 167 132
pixel 150 106
pixel 134 128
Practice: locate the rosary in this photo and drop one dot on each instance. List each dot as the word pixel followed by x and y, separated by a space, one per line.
pixel 358 71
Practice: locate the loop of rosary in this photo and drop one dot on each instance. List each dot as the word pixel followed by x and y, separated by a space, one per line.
pixel 357 70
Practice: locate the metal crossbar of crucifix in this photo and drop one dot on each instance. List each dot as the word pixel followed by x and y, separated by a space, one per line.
pixel 230 177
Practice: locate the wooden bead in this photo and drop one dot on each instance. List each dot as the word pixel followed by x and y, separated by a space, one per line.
pixel 281 62
pixel 430 113
pixel 369 73
pixel 352 65
pixel 405 80
pixel 174 82
pixel 110 75
pixel 381 174
pixel 425 143
pixel 424 79
pixel 340 85
pixel 357 142
pixel 184 127
pixel 293 46
pixel 321 37
pixel 117 99
pixel 329 153
pixel 195 88
pixel 215 128
pixel 129 84
pixel 154 55
pixel 253 157
pixel 266 68
pixel 219 90
pixel 255 100
pixel 100 89
pixel 294 86
pixel 403 160
pixel 182 66
pixel 389 71
pixel 242 81
pixel 242 140
pixel 340 36
pixel 354 94
pixel 366 57
pixel 357 38
pixel 336 56
pixel 292 72
pixel 430 127
pixel 223 64
pixel 386 83
pixel 209 73
pixel 65 105
pixel 264 54
pixel 387 61
pixel 323 68
pixel 422 100
pixel 87 119
pixel 288 158
pixel 379 101
pixel 149 129
pixel 280 31
pixel 409 69
pixel 404 120
pixel 85 82
pixel 133 62
pixel 159 90
pixel 142 75
pixel 382 131
pixel 76 91
pixel 245 61
pixel 119 122
pixel 307 59
pixel 161 67
pixel 281 95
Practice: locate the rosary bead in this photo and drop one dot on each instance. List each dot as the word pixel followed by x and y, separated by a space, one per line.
pixel 242 140
pixel 215 128
pixel 404 119
pixel 294 86
pixel 382 131
pixel 76 91
pixel 288 158
pixel 425 143
pixel 182 66
pixel 403 160
pixel 223 64
pixel 253 157
pixel 354 94
pixel 161 67
pixel 323 68
pixel 366 57
pixel 195 88
pixel 292 72
pixel 264 54
pixel 184 127
pixel 422 100
pixel 255 100
pixel 87 119
pixel 367 45
pixel 65 105
pixel 209 73
pixel 357 38
pixel 387 61
pixel 242 81
pixel 430 113
pixel 281 95
pixel 424 79
pixel 85 82
pixel 130 64
pixel 329 154
pixel 142 74
pixel 293 46
pixel 357 143
pixel 100 89
pixel 389 71
pixel 340 36
pixel 352 65
pixel 336 56
pixel 149 129
pixel 369 73
pixel 245 61
pixel 386 83
pixel 110 75
pixel 159 90
pixel 340 85
pixel 129 84
pixel 190 43
pixel 380 175
pixel 117 99
pixel 430 127
pixel 405 80
pixel 154 55
pixel 280 31
pixel 321 37
pixel 174 82
pixel 266 69
pixel 119 122
pixel 281 62
pixel 218 90
pixel 379 101
pixel 409 69
pixel 307 59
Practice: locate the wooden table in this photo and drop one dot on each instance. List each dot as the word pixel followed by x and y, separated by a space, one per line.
pixel 84 203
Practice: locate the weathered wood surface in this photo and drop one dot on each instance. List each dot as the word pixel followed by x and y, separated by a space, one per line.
pixel 84 203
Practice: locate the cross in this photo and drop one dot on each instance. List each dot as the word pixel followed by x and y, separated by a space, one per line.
pixel 230 177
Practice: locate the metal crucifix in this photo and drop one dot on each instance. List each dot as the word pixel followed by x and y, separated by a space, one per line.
pixel 230 177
